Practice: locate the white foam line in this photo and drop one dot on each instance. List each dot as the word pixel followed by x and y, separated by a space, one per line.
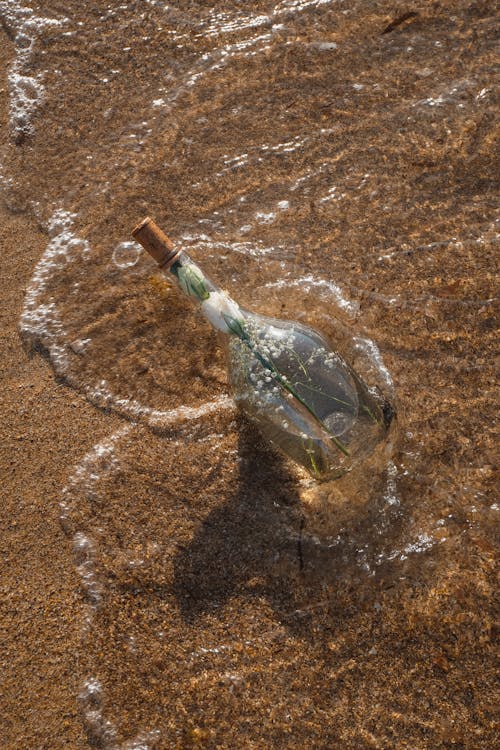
pixel 183 413
pixel 300 5
pixel 85 473
pixel 452 94
pixel 216 60
pixel 422 543
pixel 98 727
pixel 227 23
pixel 439 244
pixel 253 249
pixel 288 146
pixel 371 349
pixel 311 281
pixel 390 494
pixel 26 91
pixel 103 732
pixel 309 174
pixel 240 160
pixel 332 195
pixel 41 321
pixel 449 94
pixel 104 397
pixel 218 22
pixel 100 458
pixel 98 461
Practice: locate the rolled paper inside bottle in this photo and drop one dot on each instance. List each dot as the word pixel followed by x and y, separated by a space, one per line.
pixel 158 245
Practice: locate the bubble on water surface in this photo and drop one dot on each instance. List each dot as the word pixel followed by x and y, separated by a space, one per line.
pixel 126 254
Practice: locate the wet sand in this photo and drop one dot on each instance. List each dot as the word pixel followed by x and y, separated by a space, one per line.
pixel 193 590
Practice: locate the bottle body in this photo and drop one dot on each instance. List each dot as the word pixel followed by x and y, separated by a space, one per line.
pixel 322 416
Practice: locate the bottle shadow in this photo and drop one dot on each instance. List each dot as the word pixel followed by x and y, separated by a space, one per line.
pixel 243 538
pixel 311 563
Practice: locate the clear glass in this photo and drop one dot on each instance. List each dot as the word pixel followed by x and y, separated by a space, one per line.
pixel 302 395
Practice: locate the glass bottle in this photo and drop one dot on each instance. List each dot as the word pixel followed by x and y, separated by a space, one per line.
pixel 302 395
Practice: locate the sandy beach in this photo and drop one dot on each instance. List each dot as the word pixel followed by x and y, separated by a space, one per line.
pixel 168 581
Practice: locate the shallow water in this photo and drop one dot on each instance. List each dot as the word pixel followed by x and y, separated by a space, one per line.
pixel 321 170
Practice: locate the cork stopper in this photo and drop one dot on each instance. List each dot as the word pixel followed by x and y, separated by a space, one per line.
pixel 158 245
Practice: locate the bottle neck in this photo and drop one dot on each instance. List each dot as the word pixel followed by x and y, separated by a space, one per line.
pixel 216 306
